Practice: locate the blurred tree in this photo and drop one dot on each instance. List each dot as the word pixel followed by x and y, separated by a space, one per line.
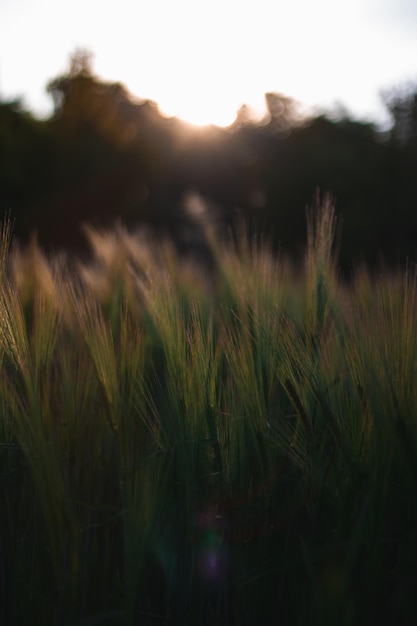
pixel 109 154
pixel 85 105
pixel 401 103
pixel 343 158
pixel 26 154
pixel 284 112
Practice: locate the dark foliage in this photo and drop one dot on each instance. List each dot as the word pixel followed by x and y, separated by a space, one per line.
pixel 103 157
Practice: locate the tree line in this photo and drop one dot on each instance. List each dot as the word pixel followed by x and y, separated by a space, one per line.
pixel 103 156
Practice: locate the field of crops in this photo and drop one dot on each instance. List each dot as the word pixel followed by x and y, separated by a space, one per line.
pixel 178 447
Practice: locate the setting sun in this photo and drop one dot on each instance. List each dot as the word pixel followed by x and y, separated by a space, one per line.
pixel 207 105
pixel 196 62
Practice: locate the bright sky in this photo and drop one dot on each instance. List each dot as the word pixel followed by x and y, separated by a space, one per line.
pixel 201 59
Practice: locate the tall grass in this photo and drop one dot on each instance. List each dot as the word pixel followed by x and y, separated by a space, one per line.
pixel 232 449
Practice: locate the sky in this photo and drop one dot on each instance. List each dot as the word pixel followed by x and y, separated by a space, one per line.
pixel 202 59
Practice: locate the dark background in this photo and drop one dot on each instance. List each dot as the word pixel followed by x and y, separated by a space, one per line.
pixel 103 157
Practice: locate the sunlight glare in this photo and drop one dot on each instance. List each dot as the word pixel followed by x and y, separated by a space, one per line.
pixel 199 63
pixel 198 110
